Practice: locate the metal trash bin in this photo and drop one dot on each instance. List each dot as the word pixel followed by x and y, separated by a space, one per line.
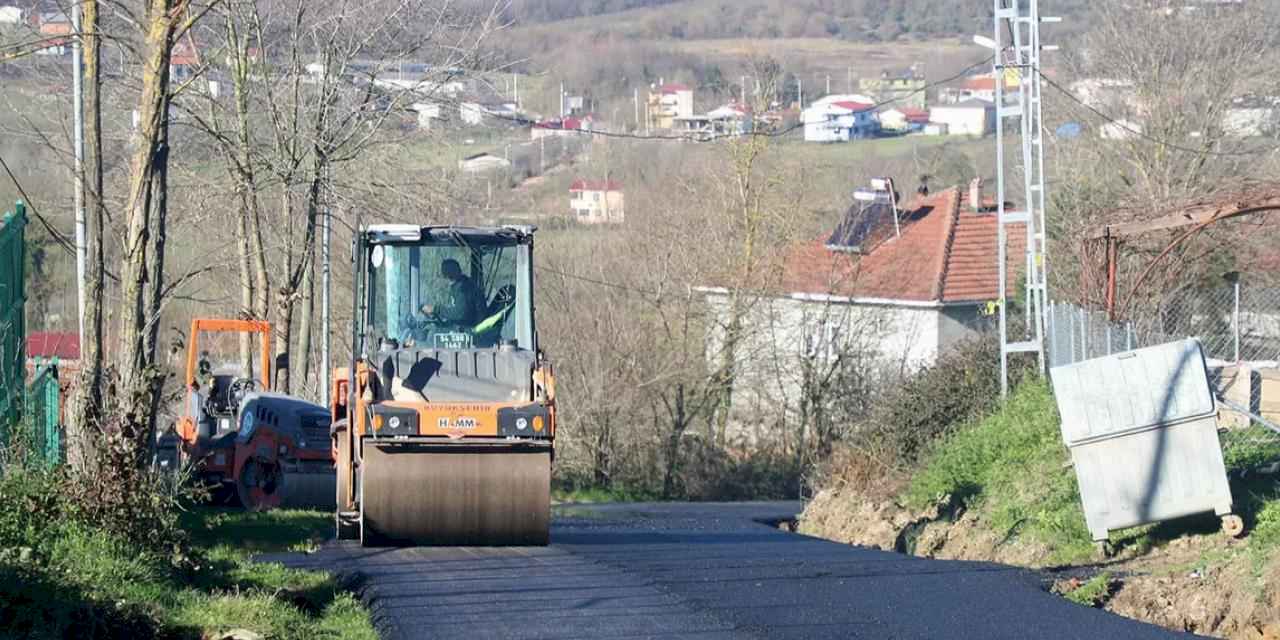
pixel 1142 430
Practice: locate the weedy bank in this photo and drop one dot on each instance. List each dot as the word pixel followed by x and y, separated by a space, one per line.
pixel 995 483
pixel 83 559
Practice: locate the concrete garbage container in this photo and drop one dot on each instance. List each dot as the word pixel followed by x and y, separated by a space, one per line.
pixel 1142 430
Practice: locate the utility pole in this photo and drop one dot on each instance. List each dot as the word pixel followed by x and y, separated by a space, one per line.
pixel 635 97
pixel 77 117
pixel 800 92
pixel 326 241
pixel 1020 50
pixel 828 84
pixel 744 90
pixel 561 99
pixel 516 82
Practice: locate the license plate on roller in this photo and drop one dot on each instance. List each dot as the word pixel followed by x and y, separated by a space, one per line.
pixel 455 340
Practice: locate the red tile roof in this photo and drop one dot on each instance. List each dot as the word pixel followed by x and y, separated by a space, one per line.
pixel 673 87
pixel 854 106
pixel 980 83
pixel 913 114
pixel 595 185
pixel 64 346
pixel 556 123
pixel 946 253
pixel 184 53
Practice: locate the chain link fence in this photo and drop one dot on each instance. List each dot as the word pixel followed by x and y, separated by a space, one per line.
pixel 1238 325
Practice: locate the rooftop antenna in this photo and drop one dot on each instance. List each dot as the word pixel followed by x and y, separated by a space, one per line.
pixel 1016 48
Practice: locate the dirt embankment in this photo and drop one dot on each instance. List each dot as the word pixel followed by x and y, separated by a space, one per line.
pixel 1203 582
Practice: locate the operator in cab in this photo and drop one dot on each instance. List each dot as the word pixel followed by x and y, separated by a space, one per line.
pixel 460 305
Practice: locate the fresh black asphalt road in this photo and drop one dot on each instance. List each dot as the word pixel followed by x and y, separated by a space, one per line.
pixel 704 571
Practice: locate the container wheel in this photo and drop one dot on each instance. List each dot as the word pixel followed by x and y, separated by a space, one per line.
pixel 1233 525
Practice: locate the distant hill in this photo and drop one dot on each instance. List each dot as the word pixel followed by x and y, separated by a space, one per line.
pixel 859 20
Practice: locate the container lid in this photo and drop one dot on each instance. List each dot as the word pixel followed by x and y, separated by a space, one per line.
pixel 1132 391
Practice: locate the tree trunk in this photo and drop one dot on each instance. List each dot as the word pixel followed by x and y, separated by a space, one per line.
pixel 679 422
pixel 89 401
pixel 253 276
pixel 137 380
pixel 284 327
pixel 306 320
pixel 155 284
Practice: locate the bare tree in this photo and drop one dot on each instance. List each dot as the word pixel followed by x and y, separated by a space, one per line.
pixel 316 87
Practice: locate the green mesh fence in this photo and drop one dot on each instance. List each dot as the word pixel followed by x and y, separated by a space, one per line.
pixel 13 329
pixel 42 413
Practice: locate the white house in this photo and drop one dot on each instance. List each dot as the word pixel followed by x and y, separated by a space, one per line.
pixel 969 118
pixel 904 119
pixel 11 15
pixel 483 162
pixel 840 118
pixel 597 201
pixel 732 119
pixel 1251 117
pixel 427 111
pixel 917 290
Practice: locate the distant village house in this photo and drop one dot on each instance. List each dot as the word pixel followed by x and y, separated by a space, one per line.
pixel 666 103
pixel 906 87
pixel 904 119
pixel 483 163
pixel 732 119
pixel 969 118
pixel 597 201
pixel 840 118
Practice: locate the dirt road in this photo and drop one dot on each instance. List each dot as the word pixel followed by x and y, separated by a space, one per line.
pixel 706 571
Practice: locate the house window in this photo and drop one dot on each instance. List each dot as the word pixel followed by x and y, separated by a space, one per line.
pixel 583 213
pixel 596 197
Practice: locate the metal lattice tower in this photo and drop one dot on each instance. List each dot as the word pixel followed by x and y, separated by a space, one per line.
pixel 1017 54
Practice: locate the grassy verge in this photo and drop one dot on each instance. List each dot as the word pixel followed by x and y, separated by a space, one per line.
pixel 66 576
pixel 1012 466
pixel 596 495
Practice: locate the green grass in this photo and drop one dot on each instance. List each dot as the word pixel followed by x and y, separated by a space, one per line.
pixel 87 576
pixel 1012 466
pixel 1248 448
pixel 1014 470
pixel 1264 538
pixel 597 495
pixel 1093 592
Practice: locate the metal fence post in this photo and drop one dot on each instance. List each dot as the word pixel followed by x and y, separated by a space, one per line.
pixel 1084 334
pixel 1235 319
pixel 1053 333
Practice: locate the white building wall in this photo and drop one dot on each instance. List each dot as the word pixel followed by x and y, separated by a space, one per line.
pixel 779 333
pixel 964 121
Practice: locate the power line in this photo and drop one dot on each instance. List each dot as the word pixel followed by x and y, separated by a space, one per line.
pixel 1138 132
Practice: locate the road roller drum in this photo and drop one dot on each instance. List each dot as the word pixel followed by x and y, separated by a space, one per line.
pixel 455 494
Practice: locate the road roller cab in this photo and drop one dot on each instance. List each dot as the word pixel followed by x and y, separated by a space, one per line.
pixel 446 437
pixel 268 449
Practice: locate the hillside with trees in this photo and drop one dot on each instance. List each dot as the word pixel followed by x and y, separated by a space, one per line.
pixel 859 20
